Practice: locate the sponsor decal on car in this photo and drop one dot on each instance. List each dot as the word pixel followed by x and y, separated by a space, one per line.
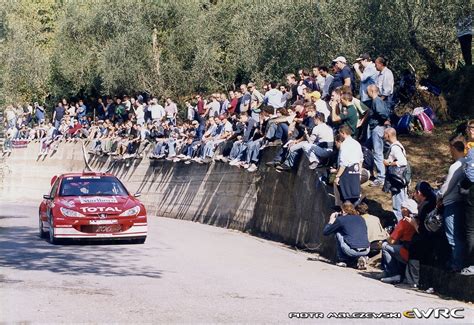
pixel 68 204
pixel 98 199
pixel 100 209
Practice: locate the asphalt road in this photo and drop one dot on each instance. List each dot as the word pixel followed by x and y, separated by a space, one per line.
pixel 185 272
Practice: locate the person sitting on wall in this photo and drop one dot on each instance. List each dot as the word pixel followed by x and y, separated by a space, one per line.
pixel 351 235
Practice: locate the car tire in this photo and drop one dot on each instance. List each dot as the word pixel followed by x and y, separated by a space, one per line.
pixel 52 239
pixel 42 233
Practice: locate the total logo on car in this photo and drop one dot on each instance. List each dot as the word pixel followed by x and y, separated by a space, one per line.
pixel 91 206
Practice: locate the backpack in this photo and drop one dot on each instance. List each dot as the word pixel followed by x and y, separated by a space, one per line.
pixel 368 162
pixel 423 120
pixel 400 176
pixel 404 125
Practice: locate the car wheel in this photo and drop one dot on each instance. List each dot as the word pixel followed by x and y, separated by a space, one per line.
pixel 42 233
pixel 52 239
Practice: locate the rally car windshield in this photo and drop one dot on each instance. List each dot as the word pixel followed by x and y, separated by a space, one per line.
pixel 91 185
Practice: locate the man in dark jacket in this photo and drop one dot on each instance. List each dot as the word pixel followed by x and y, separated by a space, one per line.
pixel 352 240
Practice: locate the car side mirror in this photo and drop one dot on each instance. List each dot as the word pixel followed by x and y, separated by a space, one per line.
pixel 47 197
pixel 138 194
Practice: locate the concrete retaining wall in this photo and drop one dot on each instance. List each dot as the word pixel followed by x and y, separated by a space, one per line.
pixel 287 207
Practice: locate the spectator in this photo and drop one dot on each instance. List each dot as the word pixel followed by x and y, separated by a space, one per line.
pixel 367 77
pixel 350 160
pixel 246 99
pixel 293 85
pixel 378 119
pixel 344 75
pixel 320 80
pixel 375 232
pixel 397 158
pixel 352 242
pixel 464 34
pixel 385 81
pixel 395 249
pixel 348 116
pixel 171 111
pixel 157 111
pixel 328 79
pixel 316 147
pixel 274 97
pixel 453 203
pixel 424 243
pixel 469 214
pixel 39 113
pixel 233 103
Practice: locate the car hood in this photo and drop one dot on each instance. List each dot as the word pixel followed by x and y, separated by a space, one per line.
pixel 98 204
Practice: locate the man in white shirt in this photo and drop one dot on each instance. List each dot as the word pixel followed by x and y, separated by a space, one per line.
pixel 385 81
pixel 157 111
pixel 317 146
pixel 349 166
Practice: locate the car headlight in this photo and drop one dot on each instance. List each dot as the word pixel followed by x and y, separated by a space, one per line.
pixel 130 212
pixel 70 213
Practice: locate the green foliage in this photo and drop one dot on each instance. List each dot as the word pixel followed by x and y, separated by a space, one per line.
pixel 51 49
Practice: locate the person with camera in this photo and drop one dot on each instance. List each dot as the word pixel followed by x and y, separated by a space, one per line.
pixel 350 231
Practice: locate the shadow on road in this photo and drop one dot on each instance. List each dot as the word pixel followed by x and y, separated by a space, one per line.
pixel 22 249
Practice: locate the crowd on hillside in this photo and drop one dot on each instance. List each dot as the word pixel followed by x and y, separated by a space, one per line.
pixel 315 114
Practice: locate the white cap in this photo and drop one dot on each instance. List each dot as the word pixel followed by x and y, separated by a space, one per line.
pixel 411 206
pixel 340 59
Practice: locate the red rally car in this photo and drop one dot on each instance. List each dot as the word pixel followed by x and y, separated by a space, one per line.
pixel 91 206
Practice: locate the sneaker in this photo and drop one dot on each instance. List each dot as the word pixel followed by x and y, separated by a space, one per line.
pixel 244 165
pixel 376 183
pixel 273 163
pixel 341 264
pixel 218 157
pixel 234 162
pixel 187 162
pixel 171 158
pixel 252 168
pixel 176 160
pixel 225 159
pixel 392 279
pixel 275 143
pixel 362 262
pixel 283 167
pixel 207 160
pixel 313 165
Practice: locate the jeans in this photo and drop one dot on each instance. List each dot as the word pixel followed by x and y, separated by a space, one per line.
pixel 376 139
pixel 282 132
pixel 397 200
pixel 469 226
pixel 454 228
pixel 238 148
pixel 171 147
pixel 313 152
pixel 391 259
pixel 253 151
pixel 345 253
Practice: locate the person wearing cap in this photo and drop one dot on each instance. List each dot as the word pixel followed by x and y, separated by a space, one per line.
pixel 367 77
pixel 343 76
pixel 395 249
